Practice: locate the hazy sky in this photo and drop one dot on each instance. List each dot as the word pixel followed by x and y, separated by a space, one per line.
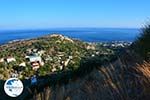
pixel 73 13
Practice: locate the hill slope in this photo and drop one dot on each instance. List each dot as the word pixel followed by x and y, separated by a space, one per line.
pixel 42 56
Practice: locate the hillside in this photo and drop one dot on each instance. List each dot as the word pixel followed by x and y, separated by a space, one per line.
pixel 45 55
pixel 125 78
pixel 117 80
pixel 90 71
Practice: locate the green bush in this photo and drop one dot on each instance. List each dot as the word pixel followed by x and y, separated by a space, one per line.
pixel 142 44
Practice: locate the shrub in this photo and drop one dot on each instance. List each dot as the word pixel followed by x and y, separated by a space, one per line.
pixel 142 46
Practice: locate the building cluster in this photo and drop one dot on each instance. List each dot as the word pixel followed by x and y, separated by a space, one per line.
pixel 8 59
pixel 35 58
pixel 59 60
pixel 116 44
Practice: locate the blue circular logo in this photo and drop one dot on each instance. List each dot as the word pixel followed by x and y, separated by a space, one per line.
pixel 13 87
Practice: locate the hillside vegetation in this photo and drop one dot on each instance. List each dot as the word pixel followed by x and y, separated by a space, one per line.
pixel 55 53
pixel 118 77
pixel 123 79
pixel 142 44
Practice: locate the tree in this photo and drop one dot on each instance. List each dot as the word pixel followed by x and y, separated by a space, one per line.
pixel 142 45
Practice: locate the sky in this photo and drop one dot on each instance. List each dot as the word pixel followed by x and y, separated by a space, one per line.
pixel 33 14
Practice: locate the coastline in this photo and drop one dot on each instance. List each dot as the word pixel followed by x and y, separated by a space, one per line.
pixel 88 34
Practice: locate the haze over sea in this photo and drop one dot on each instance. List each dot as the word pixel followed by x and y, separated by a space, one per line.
pixel 84 34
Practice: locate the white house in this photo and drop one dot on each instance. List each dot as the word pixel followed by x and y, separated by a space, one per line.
pixel 93 55
pixel 36 61
pixel 41 52
pixel 23 64
pixel 54 69
pixel 90 47
pixel 61 67
pixel 2 60
pixel 10 59
pixel 35 50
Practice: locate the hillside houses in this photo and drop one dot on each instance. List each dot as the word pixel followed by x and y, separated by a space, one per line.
pixel 10 59
pixel 54 53
pixel 116 44
pixel 35 60
pixel 23 64
pixel 33 57
pixel 7 60
pixel 2 60
pixel 90 47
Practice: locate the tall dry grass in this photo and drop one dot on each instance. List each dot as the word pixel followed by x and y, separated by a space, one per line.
pixel 115 81
pixel 127 83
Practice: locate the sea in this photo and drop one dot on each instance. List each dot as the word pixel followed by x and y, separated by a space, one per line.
pixel 83 34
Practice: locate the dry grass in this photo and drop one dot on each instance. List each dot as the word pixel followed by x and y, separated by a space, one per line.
pixel 144 69
pixel 127 83
pixel 112 82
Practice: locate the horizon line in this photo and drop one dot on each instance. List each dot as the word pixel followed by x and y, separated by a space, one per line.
pixel 5 29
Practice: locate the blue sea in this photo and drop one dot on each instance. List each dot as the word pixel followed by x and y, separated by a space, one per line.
pixel 84 34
